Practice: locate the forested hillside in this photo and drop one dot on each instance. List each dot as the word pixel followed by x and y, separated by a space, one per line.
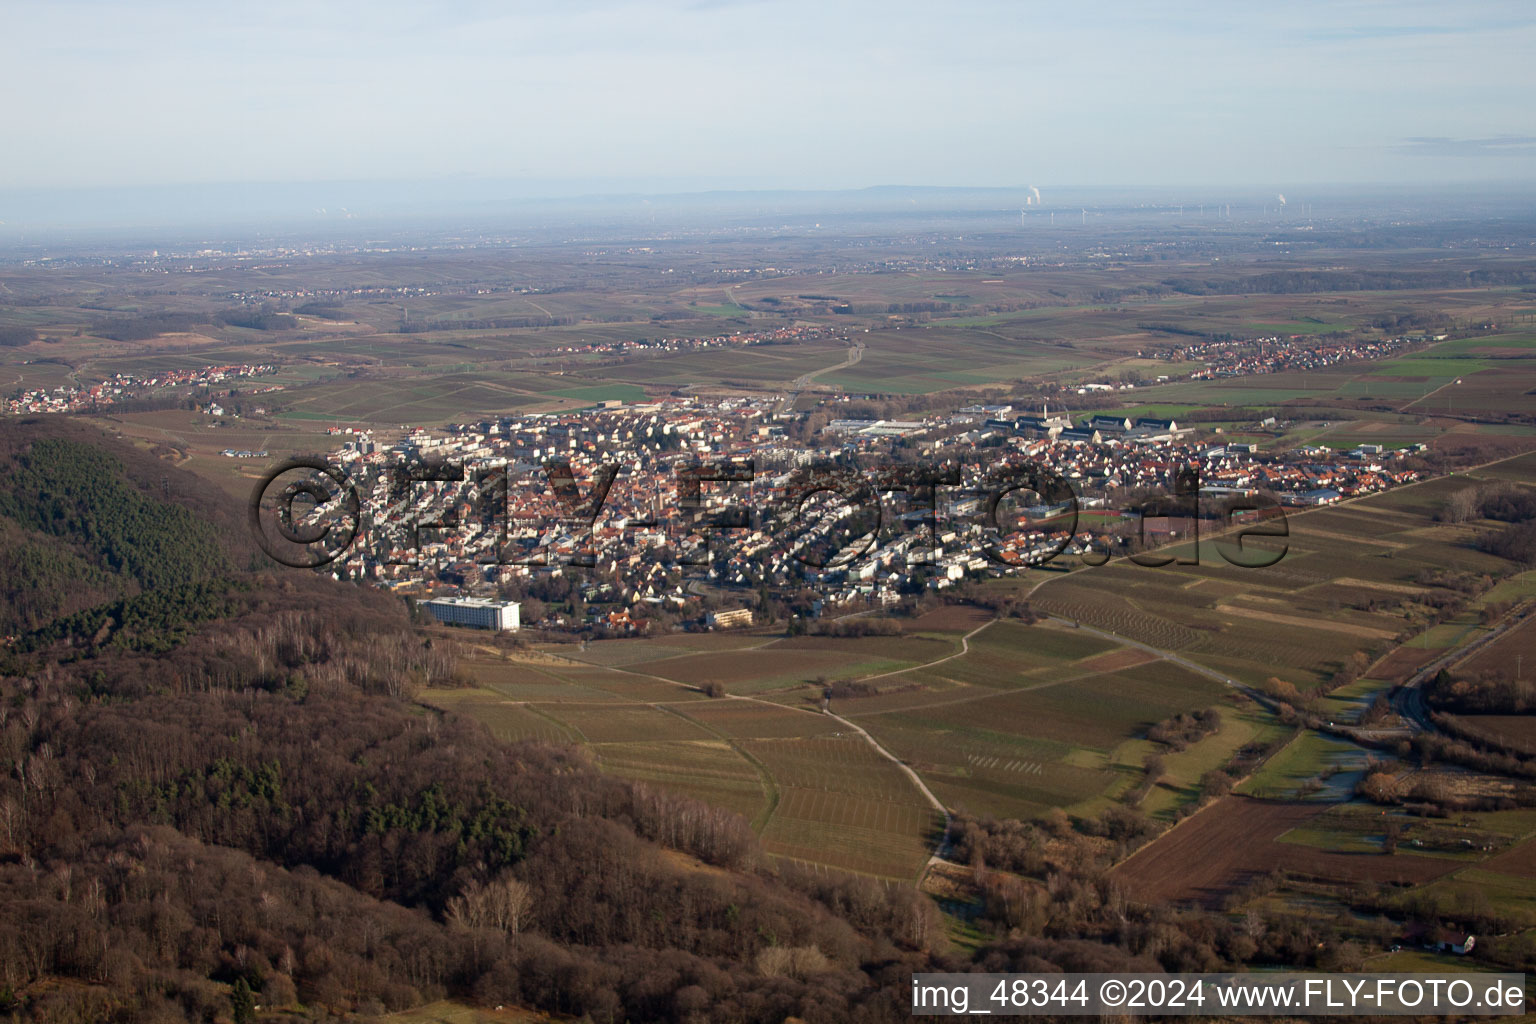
pixel 216 795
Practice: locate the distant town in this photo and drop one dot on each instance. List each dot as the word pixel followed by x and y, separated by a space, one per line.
pixel 121 387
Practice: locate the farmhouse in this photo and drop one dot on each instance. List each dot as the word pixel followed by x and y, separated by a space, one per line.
pixel 1443 940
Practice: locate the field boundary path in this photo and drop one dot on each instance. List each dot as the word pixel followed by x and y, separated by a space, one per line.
pixel 965 647
pixel 1158 652
pixel 853 358
pixel 941 848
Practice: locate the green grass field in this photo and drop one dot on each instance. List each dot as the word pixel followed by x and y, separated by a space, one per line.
pixel 1182 769
pixel 1291 774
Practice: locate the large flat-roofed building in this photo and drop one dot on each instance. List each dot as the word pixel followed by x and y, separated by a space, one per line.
pixel 480 612
pixel 725 619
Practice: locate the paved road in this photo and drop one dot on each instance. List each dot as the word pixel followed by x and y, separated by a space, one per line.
pixel 1408 699
pixel 803 381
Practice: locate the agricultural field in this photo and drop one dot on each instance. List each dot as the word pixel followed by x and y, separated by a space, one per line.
pixel 1445 378
pixel 997 726
pixel 918 360
pixel 752 672
pixel 814 791
pixel 712 770
pixel 996 718
pixel 1237 839
pixel 758 661
pixel 1002 729
pixel 842 804
pixel 1519 859
pixel 1515 648
pixel 1352 580
pixel 507 721
pixel 446 1012
pixel 767 366
pixel 432 398
pixel 1243 723
pixel 1511 732
pixel 952 618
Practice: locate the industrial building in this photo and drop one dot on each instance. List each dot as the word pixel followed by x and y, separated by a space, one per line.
pixel 479 612
pixel 726 618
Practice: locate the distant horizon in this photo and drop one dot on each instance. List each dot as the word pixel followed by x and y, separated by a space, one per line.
pixel 394 203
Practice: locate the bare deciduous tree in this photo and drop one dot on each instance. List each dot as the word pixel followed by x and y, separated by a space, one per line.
pixel 502 903
pixel 1462 506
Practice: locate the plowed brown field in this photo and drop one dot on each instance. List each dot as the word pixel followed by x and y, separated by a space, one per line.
pixel 1235 840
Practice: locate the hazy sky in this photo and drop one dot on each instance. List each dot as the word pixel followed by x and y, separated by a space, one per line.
pixel 720 93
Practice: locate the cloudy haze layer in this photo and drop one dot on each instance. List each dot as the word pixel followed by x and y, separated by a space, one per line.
pixel 600 96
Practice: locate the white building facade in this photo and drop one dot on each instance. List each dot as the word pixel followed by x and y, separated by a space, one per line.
pixel 479 612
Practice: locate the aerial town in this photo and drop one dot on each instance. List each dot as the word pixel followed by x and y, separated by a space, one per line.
pixel 600 497
pixel 121 387
pixel 747 513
